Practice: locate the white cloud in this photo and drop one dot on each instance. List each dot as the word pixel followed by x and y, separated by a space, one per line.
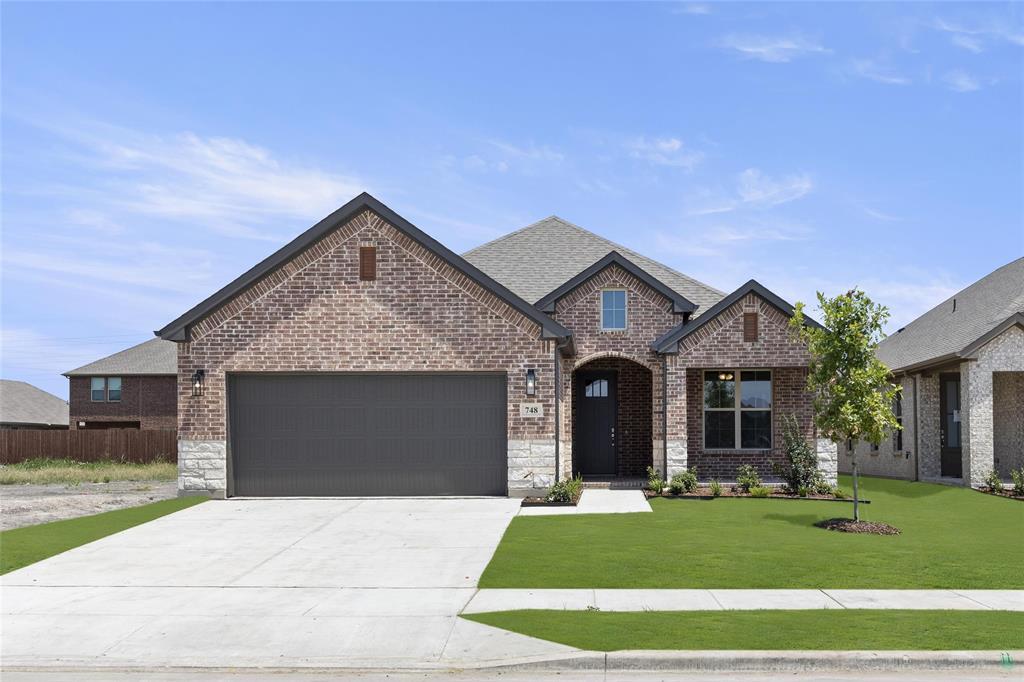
pixel 695 8
pixel 772 49
pixel 879 215
pixel 530 152
pixel 975 36
pixel 757 188
pixel 959 80
pixel 224 184
pixel 664 151
pixel 872 70
pixel 967 42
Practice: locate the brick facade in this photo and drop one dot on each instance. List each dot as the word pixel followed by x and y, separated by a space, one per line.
pixel 152 401
pixel 421 314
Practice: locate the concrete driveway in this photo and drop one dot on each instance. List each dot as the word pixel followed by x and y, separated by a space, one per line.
pixel 285 583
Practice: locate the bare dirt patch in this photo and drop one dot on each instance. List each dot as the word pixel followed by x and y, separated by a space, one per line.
pixel 27 505
pixel 851 526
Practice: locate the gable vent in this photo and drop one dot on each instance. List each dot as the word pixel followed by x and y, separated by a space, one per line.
pixel 367 263
pixel 749 327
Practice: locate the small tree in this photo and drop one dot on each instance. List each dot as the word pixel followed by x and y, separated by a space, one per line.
pixel 852 392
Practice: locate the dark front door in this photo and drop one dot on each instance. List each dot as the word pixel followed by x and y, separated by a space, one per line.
pixel 949 427
pixel 596 410
pixel 368 434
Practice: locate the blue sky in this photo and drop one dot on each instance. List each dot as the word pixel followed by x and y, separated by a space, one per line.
pixel 152 152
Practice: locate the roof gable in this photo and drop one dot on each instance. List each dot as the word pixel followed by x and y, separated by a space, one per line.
pixel 22 403
pixel 155 356
pixel 538 258
pixel 679 303
pixel 669 342
pixel 178 329
pixel 953 328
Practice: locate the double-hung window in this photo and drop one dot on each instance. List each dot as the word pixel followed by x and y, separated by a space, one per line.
pixel 738 409
pixel 613 309
pixel 105 389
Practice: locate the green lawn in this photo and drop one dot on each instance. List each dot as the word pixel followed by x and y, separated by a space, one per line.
pixel 23 546
pixel 822 629
pixel 952 538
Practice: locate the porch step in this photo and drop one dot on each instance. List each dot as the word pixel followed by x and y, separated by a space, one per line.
pixel 615 483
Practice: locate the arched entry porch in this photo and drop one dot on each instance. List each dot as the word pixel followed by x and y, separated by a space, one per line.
pixel 612 418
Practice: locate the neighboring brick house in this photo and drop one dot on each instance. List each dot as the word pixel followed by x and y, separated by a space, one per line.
pixel 23 406
pixel 961 370
pixel 136 388
pixel 365 358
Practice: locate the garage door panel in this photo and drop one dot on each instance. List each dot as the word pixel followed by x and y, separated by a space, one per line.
pixel 367 434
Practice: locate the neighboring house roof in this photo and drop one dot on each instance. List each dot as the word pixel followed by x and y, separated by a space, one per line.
pixel 954 328
pixel 177 330
pixel 669 342
pixel 537 259
pixel 155 356
pixel 679 302
pixel 22 403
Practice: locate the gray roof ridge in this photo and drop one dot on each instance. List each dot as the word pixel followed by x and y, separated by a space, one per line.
pixel 107 357
pixel 515 232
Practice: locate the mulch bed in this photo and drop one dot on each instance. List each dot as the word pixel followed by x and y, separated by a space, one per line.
pixel 543 502
pixel 779 494
pixel 851 526
pixel 1005 492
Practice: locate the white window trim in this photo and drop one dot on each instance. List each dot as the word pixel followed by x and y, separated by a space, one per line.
pixel 625 309
pixel 738 437
pixel 106 390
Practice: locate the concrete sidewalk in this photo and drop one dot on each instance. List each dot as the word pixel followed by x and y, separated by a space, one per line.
pixel 725 600
pixel 597 501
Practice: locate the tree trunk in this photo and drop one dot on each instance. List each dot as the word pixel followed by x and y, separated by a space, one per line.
pixel 856 499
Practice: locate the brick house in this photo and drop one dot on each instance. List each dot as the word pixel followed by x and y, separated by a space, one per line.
pixel 961 370
pixel 365 358
pixel 136 388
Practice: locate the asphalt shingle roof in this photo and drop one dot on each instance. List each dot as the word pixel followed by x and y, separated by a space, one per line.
pixel 155 356
pixel 22 403
pixel 535 260
pixel 945 331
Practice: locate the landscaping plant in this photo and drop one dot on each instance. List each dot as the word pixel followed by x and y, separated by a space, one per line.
pixel 800 472
pixel 853 394
pixel 655 483
pixel 565 491
pixel 683 482
pixel 747 478
pixel 994 482
pixel 1018 481
pixel 716 488
pixel 760 491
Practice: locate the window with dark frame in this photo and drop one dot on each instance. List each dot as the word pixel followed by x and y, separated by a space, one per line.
pixel 738 409
pixel 613 309
pixel 367 263
pixel 105 389
pixel 897 435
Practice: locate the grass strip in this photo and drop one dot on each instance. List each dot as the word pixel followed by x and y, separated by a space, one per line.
pixel 50 471
pixel 20 547
pixel 822 629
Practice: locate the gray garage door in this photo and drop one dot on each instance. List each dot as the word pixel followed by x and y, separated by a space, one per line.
pixel 368 434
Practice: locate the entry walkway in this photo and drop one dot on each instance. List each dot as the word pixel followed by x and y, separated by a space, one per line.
pixel 597 501
pixel 727 600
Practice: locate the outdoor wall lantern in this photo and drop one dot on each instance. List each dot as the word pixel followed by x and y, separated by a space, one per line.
pixel 198 378
pixel 531 382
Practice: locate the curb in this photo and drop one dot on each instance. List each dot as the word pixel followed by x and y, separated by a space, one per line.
pixel 772 661
pixel 629 661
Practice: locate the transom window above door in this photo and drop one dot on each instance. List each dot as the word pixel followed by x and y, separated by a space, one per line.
pixel 598 388
pixel 613 309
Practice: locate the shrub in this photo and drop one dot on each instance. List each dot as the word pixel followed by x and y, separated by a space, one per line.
pixel 1018 481
pixel 803 491
pixel 565 491
pixel 716 488
pixel 801 468
pixel 760 491
pixel 993 482
pixel 655 483
pixel 683 482
pixel 747 478
pixel 839 493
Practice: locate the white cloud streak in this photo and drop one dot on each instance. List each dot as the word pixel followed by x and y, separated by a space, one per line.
pixel 664 151
pixel 872 70
pixel 959 80
pixel 776 50
pixel 756 188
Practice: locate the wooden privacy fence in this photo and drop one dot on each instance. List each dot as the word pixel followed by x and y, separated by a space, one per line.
pixel 123 445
